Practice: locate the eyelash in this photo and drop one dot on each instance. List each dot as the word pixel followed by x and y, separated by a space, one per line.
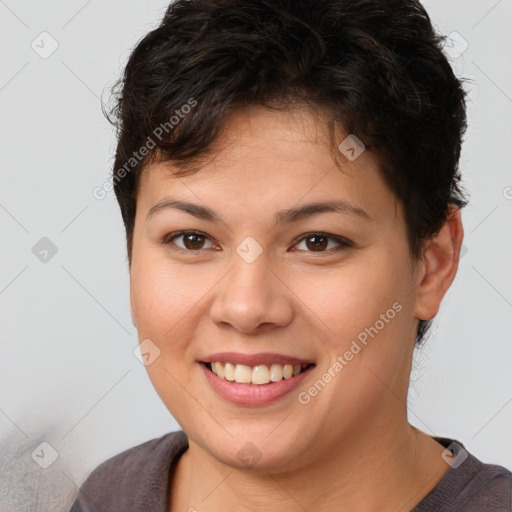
pixel 343 243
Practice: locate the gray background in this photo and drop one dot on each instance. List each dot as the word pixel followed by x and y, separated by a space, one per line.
pixel 68 375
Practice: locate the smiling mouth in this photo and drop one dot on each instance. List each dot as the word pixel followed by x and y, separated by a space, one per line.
pixel 259 374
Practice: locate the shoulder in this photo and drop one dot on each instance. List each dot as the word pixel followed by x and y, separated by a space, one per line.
pixel 135 479
pixel 470 485
pixel 491 487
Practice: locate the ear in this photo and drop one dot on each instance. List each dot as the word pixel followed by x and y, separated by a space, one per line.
pixel 439 266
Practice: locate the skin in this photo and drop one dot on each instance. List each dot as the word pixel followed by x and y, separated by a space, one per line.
pixel 351 447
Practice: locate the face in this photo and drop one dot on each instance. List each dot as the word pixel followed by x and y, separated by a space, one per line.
pixel 247 277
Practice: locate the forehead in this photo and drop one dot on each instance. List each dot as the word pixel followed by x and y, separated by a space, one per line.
pixel 279 156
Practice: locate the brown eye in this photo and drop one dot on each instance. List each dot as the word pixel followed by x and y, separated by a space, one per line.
pixel 191 241
pixel 319 242
pixel 316 243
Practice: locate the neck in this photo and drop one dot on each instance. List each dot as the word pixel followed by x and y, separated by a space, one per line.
pixel 386 467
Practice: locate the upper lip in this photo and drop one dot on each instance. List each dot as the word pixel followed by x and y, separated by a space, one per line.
pixel 254 359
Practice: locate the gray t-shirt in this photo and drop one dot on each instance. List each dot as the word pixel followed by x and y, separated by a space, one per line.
pixel 137 480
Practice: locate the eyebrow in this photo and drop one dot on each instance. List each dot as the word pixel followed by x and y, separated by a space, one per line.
pixel 282 216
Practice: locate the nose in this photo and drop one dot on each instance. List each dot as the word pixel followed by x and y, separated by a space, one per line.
pixel 252 298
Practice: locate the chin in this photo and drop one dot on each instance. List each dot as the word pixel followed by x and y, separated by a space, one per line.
pixel 255 452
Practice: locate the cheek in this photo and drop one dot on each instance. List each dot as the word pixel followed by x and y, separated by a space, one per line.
pixel 170 302
pixel 348 301
pixel 164 294
pixel 370 312
pixel 165 303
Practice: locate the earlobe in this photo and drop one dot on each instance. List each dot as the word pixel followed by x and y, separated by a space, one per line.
pixel 440 264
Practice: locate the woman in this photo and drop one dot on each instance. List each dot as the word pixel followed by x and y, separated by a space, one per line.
pixel 287 173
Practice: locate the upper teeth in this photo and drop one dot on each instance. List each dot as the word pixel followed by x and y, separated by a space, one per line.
pixel 260 374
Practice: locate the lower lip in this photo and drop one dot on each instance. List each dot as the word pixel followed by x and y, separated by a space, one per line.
pixel 253 394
